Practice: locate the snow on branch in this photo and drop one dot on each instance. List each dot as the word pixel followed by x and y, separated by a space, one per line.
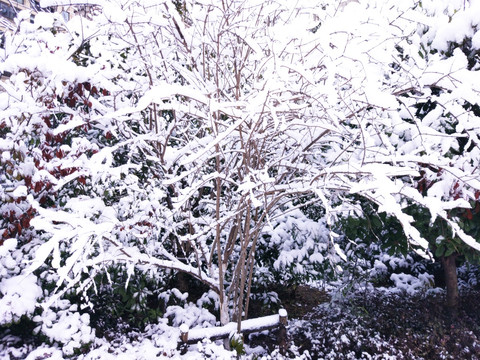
pixel 48 3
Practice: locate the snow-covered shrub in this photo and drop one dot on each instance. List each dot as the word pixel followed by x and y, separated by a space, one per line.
pixel 412 284
pixel 294 250
pixel 65 326
pixel 19 297
pixel 209 300
pixel 46 352
pixel 377 252
pixel 469 276
pixel 9 264
pixel 120 297
pixel 190 315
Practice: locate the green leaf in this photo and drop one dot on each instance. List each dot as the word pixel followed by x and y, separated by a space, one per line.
pixel 376 222
pixel 449 251
pixel 439 251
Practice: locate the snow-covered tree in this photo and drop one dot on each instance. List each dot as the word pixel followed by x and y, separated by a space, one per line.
pixel 450 107
pixel 178 134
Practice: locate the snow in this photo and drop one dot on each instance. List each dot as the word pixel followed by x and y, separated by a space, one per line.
pixel 189 315
pixel 19 297
pixel 457 27
pixel 44 20
pixel 68 328
pixel 20 191
pixel 48 3
pixel 8 245
pixel 230 328
pixel 412 284
pixel 379 267
pixel 290 102
pixel 45 352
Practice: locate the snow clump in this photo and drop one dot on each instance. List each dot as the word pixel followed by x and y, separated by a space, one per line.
pixel 412 284
pixel 67 327
pixel 19 297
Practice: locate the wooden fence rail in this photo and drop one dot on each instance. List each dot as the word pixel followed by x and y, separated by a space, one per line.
pixel 192 336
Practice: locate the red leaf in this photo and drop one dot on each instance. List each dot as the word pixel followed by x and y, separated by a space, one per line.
pixel 25 222
pixel 468 214
pixel 38 186
pixel 80 89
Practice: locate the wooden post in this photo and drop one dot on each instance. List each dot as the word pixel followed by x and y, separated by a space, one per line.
pixel 184 339
pixel 282 331
pixel 184 332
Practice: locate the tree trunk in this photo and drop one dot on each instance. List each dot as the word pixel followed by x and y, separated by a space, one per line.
pixel 225 319
pixel 450 270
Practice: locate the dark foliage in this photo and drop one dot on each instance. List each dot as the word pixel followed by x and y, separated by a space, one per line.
pixel 383 325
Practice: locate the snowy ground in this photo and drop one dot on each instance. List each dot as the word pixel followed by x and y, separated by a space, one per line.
pixel 365 324
pixel 383 325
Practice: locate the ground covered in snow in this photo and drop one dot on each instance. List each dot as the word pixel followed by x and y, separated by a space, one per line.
pixel 373 324
pixel 379 325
